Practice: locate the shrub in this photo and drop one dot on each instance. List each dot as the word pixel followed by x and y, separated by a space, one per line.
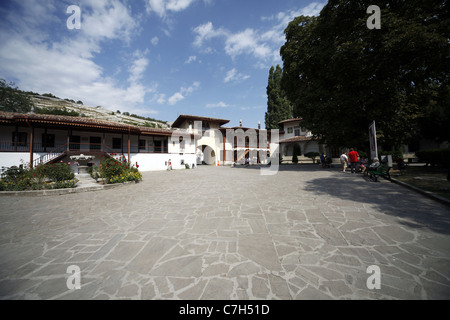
pixel 396 154
pixel 312 155
pixel 48 176
pixel 58 172
pixel 435 157
pixel 116 171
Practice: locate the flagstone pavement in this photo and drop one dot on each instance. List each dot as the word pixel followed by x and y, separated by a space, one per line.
pixel 228 233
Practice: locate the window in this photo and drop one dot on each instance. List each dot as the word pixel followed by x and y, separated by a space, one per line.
pixel 290 130
pixel 74 142
pixel 158 146
pixel 141 144
pixel 95 143
pixel 48 140
pixel 20 139
pixel 117 143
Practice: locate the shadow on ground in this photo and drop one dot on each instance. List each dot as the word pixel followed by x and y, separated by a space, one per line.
pixel 391 199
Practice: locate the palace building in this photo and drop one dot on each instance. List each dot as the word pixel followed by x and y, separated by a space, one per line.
pixel 35 138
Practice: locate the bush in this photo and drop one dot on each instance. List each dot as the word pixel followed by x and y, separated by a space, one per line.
pixel 49 176
pixel 435 157
pixel 57 172
pixel 312 155
pixel 396 154
pixel 116 171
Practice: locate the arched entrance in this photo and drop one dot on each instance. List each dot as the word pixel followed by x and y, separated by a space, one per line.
pixel 206 155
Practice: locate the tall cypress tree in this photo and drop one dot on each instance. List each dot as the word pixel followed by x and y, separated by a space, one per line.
pixel 278 106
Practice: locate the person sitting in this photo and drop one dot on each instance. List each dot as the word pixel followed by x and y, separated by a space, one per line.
pixel 322 160
pixel 363 163
pixel 373 167
pixel 401 165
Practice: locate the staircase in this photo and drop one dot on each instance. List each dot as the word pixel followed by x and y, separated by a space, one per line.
pixel 85 181
pixel 84 178
pixel 54 155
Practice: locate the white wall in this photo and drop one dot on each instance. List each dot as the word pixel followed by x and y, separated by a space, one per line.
pixel 157 162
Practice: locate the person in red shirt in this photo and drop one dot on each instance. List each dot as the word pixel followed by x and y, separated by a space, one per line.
pixel 353 158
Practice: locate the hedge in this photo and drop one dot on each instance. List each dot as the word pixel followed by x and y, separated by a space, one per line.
pixel 435 156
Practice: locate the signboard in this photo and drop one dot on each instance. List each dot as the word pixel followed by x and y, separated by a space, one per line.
pixel 373 141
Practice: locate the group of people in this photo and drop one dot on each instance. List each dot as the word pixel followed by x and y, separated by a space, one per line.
pixel 357 163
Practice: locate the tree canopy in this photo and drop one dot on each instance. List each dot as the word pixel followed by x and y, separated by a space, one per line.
pixel 340 75
pixel 279 107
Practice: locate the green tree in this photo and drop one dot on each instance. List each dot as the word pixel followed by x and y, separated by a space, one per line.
pixel 278 106
pixel 340 75
pixel 12 99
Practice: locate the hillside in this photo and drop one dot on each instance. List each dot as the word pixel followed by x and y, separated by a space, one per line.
pixel 53 103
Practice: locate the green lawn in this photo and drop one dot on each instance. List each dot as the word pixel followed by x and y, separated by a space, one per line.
pixel 433 179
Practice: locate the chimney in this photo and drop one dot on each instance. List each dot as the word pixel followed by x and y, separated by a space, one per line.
pixel 240 123
pixel 259 125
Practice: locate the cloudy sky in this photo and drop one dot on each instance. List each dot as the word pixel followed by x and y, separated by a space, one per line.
pixel 155 58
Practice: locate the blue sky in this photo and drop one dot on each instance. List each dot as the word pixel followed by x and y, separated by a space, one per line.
pixel 155 58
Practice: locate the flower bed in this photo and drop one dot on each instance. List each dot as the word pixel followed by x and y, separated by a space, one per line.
pixel 115 171
pixel 42 177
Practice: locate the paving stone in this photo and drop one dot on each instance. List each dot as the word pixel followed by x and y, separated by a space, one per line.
pixel 150 254
pixel 279 287
pixel 182 267
pixel 337 288
pixel 217 288
pixel 260 249
pixel 125 251
pixel 311 293
pixel 260 288
pixel 313 240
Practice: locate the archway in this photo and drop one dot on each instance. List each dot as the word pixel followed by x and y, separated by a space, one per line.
pixel 206 155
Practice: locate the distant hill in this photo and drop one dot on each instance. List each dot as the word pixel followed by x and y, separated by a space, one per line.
pixel 53 105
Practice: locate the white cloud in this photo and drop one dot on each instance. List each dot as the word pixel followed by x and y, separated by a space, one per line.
pixel 155 41
pixel 107 19
pixel 175 98
pixel 191 59
pixel 66 67
pixel 233 75
pixel 220 104
pixel 183 93
pixel 164 7
pixel 207 32
pixel 138 67
pixel 264 45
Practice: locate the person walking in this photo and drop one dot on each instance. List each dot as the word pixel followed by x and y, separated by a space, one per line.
pixel 344 161
pixel 353 157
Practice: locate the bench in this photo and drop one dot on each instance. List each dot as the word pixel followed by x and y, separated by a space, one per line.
pixel 382 171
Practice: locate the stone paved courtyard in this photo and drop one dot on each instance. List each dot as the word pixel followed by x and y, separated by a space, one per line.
pixel 228 233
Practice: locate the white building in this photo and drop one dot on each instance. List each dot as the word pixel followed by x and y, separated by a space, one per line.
pixel 293 136
pixel 35 139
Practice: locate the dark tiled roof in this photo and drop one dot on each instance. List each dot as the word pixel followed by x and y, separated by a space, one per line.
pixel 297 139
pixel 184 117
pixel 67 121
pixel 290 120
